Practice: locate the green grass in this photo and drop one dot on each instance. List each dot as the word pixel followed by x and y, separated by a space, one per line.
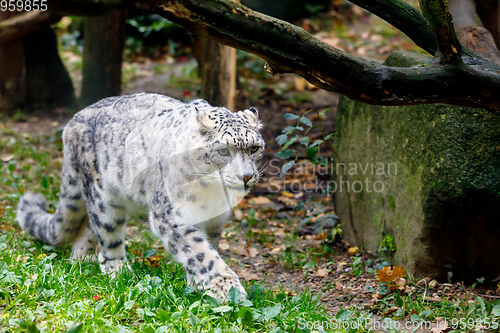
pixel 40 286
pixel 41 289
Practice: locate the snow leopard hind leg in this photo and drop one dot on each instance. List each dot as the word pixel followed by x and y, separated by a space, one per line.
pixel 67 224
pixel 190 246
pixel 107 220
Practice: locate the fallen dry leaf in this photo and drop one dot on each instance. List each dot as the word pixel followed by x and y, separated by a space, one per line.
pixel 300 84
pixel 260 200
pixel 340 266
pixel 322 272
pixel 238 215
pixel 298 195
pixel 223 245
pixel 324 234
pixel 245 274
pixel 244 204
pixel 7 158
pixel 388 274
pixel 424 281
pixel 153 262
pixel 391 310
pixel 352 250
pixel 440 326
pixel 400 283
pixel 252 252
pixel 241 250
pixel 433 299
pixel 269 246
pixel 288 201
pixel 278 249
pixel 287 194
pixel 280 232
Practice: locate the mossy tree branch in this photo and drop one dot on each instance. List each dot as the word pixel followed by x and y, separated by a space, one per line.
pixel 437 14
pixel 290 49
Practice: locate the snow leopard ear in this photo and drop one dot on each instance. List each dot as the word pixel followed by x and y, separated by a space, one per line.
pixel 252 116
pixel 204 121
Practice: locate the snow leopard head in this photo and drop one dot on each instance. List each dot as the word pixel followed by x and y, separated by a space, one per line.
pixel 234 146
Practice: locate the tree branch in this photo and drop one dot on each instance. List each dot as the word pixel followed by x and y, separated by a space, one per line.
pixel 18 26
pixel 290 49
pixel 405 18
pixel 437 14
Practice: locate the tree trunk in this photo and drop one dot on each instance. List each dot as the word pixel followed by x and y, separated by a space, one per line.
pixel 471 32
pixel 12 71
pixel 489 12
pixel 31 71
pixel 47 80
pixel 102 56
pixel 218 74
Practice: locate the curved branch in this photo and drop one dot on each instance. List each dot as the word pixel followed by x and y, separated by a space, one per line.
pixel 290 49
pixel 437 14
pixel 405 18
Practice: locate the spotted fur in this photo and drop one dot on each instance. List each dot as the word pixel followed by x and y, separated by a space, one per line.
pixel 187 164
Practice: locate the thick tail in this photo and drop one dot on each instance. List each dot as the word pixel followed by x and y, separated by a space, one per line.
pixel 32 216
pixel 53 229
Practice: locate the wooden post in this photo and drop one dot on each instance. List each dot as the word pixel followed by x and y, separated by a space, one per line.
pixel 218 74
pixel 104 37
pixel 12 71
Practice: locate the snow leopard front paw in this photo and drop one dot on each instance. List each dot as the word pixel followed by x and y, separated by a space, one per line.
pixel 113 266
pixel 220 284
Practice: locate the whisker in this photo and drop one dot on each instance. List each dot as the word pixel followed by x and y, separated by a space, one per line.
pixel 264 167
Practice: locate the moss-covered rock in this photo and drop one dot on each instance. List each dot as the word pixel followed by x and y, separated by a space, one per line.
pixel 427 175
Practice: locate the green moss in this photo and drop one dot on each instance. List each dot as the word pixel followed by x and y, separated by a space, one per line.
pixel 446 186
pixel 388 245
pixel 392 203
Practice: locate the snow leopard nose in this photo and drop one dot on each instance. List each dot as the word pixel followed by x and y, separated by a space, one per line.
pixel 247 177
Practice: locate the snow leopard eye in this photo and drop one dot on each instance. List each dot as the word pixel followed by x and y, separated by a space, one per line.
pixel 223 152
pixel 254 149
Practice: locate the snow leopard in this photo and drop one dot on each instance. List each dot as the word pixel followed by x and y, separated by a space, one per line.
pixel 186 164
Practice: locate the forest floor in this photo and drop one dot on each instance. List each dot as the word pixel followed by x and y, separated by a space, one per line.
pixel 269 239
